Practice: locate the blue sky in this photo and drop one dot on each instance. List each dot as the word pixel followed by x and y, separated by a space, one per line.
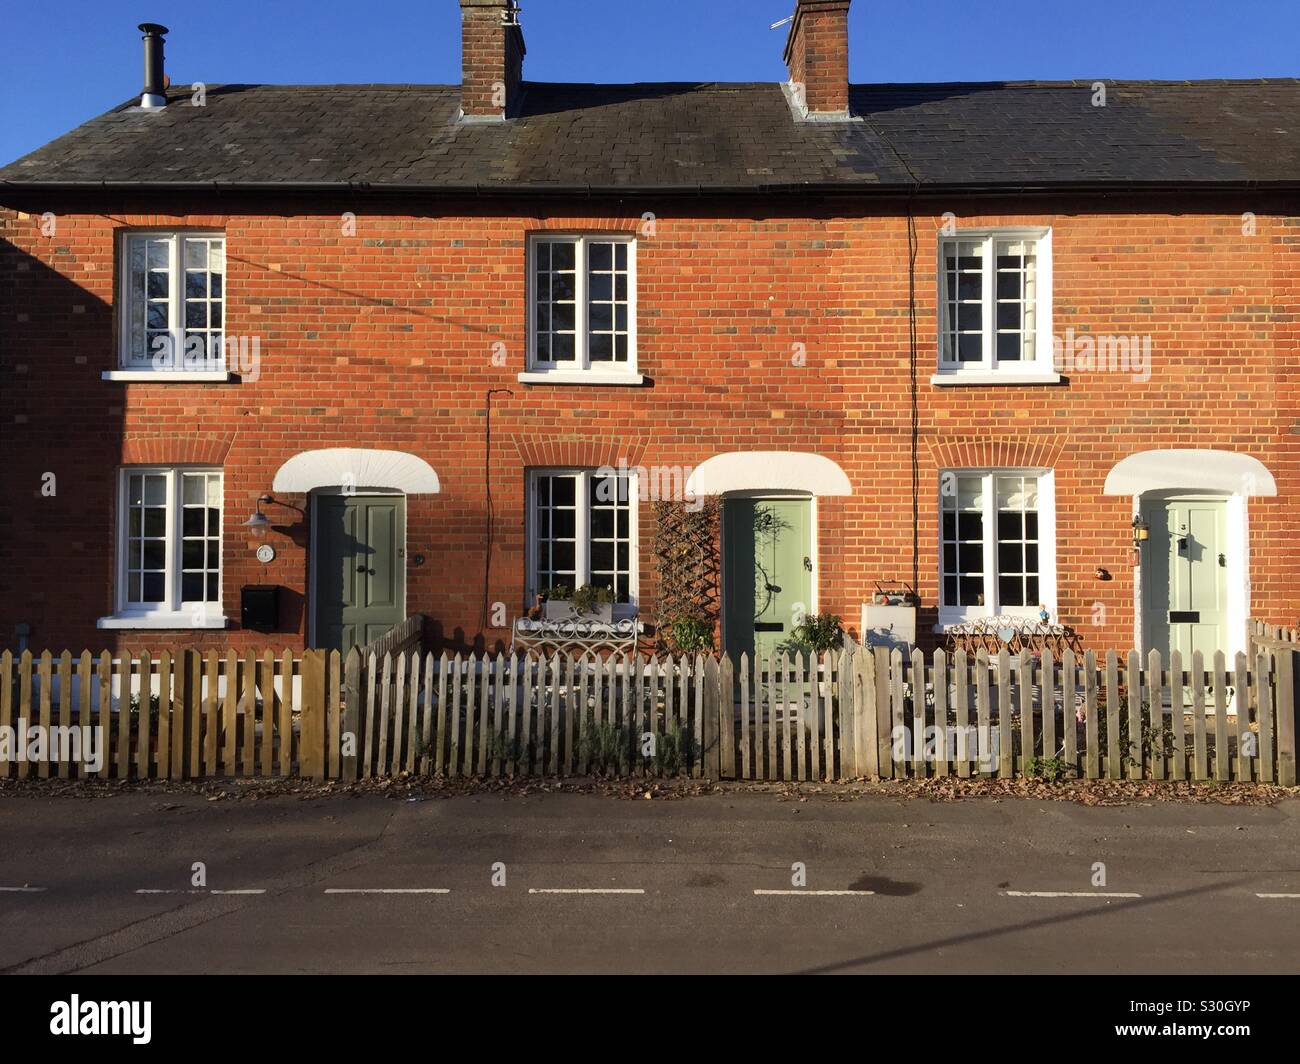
pixel 86 55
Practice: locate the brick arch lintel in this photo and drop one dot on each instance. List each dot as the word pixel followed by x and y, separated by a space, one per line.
pixel 539 449
pixel 1025 450
pixel 175 449
pixel 567 224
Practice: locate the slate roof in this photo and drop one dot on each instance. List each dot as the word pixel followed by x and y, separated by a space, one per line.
pixel 728 137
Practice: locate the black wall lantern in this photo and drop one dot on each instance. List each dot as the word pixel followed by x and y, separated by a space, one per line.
pixel 1141 532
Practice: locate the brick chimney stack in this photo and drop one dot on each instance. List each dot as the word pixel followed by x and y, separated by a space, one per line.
pixel 817 55
pixel 492 58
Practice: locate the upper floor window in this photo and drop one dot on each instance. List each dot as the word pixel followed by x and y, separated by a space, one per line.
pixel 997 543
pixel 995 303
pixel 582 305
pixel 172 303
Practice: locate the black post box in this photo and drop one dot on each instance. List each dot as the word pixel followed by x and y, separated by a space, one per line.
pixel 259 608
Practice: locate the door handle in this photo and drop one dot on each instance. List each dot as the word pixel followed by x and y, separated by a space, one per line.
pixel 807 564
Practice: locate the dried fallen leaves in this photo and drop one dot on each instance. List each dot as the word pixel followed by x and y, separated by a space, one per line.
pixel 421 788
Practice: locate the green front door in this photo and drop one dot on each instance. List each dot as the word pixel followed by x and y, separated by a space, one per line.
pixel 1184 579
pixel 360 589
pixel 767 572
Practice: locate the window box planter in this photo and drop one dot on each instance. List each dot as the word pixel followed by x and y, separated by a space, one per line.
pixel 565 610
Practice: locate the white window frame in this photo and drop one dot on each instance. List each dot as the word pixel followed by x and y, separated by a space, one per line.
pixel 949 615
pixel 1041 369
pixel 174 612
pixel 582 546
pixel 129 369
pixel 580 370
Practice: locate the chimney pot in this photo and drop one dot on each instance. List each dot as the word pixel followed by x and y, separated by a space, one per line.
pixel 817 56
pixel 155 79
pixel 492 58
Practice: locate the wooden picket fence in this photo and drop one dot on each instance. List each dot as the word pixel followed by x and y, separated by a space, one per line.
pixel 861 713
pixel 1268 634
pixel 182 715
pixel 528 715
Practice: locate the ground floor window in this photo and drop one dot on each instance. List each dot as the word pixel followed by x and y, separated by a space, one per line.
pixel 169 541
pixel 998 543
pixel 582 530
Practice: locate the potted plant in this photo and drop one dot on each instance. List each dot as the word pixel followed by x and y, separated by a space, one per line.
pixel 815 636
pixel 585 603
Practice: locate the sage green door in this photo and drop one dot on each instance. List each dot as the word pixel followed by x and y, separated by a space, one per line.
pixel 1184 578
pixel 360 589
pixel 767 572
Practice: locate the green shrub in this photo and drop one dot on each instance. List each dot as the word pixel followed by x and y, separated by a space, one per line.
pixel 604 744
pixel 818 633
pixel 675 750
pixel 690 635
pixel 1051 769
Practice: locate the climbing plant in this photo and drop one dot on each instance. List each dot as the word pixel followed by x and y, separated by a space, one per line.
pixel 687 549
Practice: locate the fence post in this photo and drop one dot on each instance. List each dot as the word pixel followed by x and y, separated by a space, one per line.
pixel 350 731
pixel 877 713
pixel 311 749
pixel 866 740
pixel 189 728
pixel 709 735
pixel 726 718
pixel 1288 709
pixel 7 697
pixel 848 693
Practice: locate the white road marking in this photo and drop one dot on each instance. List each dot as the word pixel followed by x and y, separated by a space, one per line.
pixel 585 890
pixel 1069 894
pixel 1277 895
pixel 22 890
pixel 387 890
pixel 817 893
pixel 149 891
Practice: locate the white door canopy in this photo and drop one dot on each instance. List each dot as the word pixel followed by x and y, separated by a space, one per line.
pixel 735 471
pixel 358 468
pixel 1190 470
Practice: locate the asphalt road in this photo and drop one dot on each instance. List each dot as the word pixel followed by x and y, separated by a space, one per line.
pixel 372 885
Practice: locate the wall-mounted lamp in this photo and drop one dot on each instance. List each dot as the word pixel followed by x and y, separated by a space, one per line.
pixel 259 522
pixel 1141 532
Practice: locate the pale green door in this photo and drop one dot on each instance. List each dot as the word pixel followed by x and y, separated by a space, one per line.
pixel 1184 582
pixel 360 568
pixel 767 572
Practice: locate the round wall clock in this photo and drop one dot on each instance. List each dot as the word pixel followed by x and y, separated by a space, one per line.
pixel 266 553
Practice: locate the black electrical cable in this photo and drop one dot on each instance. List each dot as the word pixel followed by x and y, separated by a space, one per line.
pixel 487 488
pixel 916 417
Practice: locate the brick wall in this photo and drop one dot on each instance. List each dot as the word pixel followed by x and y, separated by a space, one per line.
pixel 385 339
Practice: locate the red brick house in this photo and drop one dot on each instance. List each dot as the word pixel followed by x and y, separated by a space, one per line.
pixel 964 338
